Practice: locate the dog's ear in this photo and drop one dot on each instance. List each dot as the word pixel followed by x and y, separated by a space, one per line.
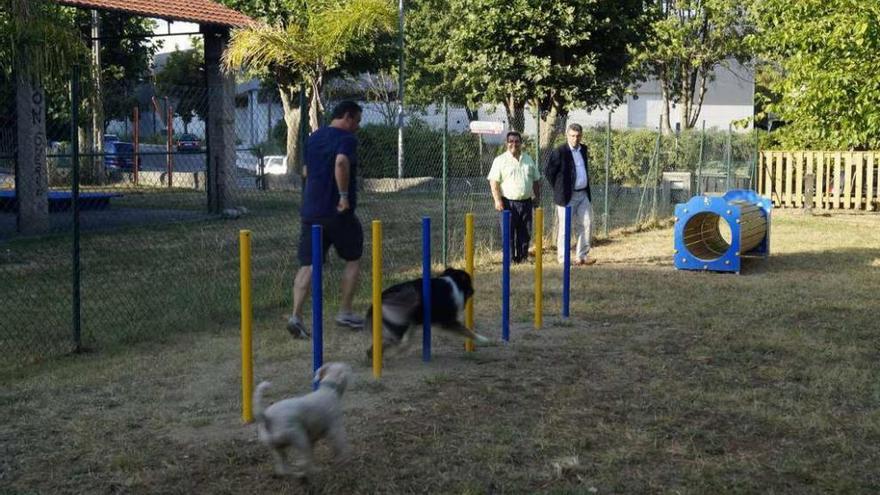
pixel 319 374
pixel 449 270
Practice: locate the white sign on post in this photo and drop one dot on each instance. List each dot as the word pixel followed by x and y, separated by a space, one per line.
pixel 486 127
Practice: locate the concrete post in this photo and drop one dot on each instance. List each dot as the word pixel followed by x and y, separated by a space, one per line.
pixel 31 171
pixel 220 119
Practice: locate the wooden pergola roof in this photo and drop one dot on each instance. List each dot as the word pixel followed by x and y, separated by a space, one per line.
pixel 196 11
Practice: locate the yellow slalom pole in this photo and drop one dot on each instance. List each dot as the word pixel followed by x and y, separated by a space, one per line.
pixel 539 267
pixel 469 267
pixel 247 318
pixel 377 298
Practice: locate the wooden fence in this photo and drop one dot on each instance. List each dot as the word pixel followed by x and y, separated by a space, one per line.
pixel 839 179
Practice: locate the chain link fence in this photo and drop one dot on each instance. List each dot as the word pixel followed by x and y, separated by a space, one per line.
pixel 153 262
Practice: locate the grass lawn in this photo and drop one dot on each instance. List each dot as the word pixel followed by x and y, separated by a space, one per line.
pixel 662 381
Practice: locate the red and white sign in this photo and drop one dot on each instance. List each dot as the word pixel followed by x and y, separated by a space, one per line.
pixel 486 127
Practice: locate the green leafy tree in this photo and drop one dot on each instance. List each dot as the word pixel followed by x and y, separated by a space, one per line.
pixel 689 40
pixel 552 53
pixel 429 73
pixel 301 44
pixel 828 82
pixel 125 59
pixel 183 76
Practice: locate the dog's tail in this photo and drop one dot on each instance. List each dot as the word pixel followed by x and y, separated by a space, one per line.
pixel 259 417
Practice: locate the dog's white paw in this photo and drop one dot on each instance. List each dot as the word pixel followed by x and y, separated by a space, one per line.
pixel 482 340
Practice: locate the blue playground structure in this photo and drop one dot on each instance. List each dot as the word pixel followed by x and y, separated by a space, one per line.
pixel 715 232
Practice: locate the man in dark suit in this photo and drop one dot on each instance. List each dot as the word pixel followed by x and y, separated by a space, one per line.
pixel 568 172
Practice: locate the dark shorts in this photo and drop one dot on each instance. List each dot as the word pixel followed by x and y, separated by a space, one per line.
pixel 344 232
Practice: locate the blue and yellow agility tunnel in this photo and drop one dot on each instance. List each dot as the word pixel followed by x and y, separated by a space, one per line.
pixel 715 232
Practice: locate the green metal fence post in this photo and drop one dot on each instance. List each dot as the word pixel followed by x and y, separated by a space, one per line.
pixel 538 135
pixel 700 162
pixel 729 153
pixel 303 131
pixel 754 168
pixel 538 145
pixel 445 168
pixel 607 171
pixel 400 85
pixel 656 172
pixel 480 143
pixel 74 146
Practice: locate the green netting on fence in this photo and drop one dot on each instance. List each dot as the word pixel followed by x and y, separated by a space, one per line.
pixel 155 262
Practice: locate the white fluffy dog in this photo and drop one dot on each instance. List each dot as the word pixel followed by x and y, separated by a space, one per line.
pixel 299 422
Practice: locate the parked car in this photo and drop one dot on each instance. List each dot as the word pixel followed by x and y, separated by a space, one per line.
pixel 188 143
pixel 110 138
pixel 118 155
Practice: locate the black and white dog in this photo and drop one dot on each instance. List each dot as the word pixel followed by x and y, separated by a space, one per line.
pixel 402 308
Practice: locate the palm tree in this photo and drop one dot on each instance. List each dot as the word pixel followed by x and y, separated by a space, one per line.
pixel 302 52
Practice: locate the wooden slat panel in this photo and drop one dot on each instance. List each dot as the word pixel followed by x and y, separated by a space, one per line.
pixel 810 168
pixel 789 179
pixel 821 174
pixel 799 179
pixel 858 198
pixel 817 168
pixel 838 186
pixel 777 174
pixel 869 179
pixel 848 164
pixel 768 176
pixel 759 174
pixel 828 172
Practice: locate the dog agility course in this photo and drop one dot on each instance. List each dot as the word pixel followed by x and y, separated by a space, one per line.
pixel 247 378
pixel 698 245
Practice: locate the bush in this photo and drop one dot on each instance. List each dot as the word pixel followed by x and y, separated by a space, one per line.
pixel 423 152
pixel 632 152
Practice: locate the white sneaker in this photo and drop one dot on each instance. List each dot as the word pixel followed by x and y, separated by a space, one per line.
pixel 350 320
pixel 297 328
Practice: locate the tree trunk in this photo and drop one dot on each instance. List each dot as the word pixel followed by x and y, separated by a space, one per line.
pixel 516 117
pixel 553 120
pixel 664 110
pixel 316 106
pixel 292 117
pixel 472 113
pixel 97 104
pixel 698 104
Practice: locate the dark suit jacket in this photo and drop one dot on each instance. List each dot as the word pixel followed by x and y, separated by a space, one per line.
pixel 560 173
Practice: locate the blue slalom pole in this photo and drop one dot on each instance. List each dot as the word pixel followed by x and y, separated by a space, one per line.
pixel 426 288
pixel 566 263
pixel 317 300
pixel 505 276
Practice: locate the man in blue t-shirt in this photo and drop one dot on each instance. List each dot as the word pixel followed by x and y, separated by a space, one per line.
pixel 329 200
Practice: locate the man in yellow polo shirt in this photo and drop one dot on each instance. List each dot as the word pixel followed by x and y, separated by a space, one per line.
pixel 515 182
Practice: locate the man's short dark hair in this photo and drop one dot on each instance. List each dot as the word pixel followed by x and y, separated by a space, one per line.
pixel 344 108
pixel 513 133
pixel 576 127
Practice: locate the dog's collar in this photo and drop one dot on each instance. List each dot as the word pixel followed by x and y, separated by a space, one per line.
pixel 332 386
